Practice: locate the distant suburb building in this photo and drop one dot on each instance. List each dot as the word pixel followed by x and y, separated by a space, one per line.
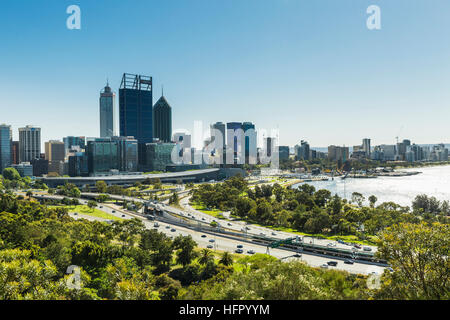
pixel 337 153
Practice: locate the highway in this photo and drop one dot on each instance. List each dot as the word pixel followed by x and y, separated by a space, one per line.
pixel 219 242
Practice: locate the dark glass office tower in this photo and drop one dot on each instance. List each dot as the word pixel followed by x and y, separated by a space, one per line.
pixel 250 142
pixel 162 120
pixel 136 111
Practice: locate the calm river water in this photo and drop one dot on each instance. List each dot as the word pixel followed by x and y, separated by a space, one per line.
pixel 433 181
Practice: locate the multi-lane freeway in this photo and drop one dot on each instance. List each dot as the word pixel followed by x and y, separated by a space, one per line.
pixel 221 242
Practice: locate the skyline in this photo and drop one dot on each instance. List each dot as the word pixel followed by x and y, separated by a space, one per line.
pixel 264 56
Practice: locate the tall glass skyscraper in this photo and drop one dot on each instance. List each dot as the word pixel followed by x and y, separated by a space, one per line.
pixel 107 112
pixel 5 146
pixel 162 120
pixel 136 107
pixel 136 112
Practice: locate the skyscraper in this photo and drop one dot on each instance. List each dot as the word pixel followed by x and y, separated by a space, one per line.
pixel 366 147
pixel 15 152
pixel 136 111
pixel 218 133
pixel 162 120
pixel 250 143
pixel 136 107
pixel 236 142
pixel 107 112
pixel 5 146
pixel 55 153
pixel 29 143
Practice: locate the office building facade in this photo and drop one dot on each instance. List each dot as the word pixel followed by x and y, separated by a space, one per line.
pixel 112 153
pixel 29 143
pixel 136 111
pixel 159 156
pixel 5 146
pixel 55 153
pixel 72 141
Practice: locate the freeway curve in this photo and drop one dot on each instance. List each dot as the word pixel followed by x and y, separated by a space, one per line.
pixel 173 226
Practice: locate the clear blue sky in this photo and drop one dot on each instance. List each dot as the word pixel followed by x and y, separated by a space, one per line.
pixel 311 68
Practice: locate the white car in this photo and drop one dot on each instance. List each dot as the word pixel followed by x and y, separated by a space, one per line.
pixel 324 266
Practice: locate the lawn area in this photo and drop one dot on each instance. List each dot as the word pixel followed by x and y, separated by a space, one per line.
pixel 212 212
pixel 83 209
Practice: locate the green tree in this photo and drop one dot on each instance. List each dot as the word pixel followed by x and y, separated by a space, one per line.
pixel 227 259
pixel 418 254
pixel 11 174
pixel 91 204
pixel 206 255
pixel 101 186
pixel 372 201
pixel 185 247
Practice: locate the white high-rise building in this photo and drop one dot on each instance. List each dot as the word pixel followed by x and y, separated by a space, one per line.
pixel 29 143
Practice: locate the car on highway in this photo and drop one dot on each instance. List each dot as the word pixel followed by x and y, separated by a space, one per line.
pixel 239 251
pixel 262 234
pixel 203 235
pixel 167 227
pixel 274 234
pixel 367 249
pixel 156 225
pixel 357 246
pixel 331 244
pixel 172 230
pixel 123 216
pixel 348 261
pixel 324 266
pixel 210 246
pixel 239 246
pixel 251 251
pixel 297 255
pixel 101 207
pixel 203 219
pixel 390 269
pixel 229 224
pixel 340 241
pixel 75 213
pixel 332 263
pixel 114 211
pixel 212 240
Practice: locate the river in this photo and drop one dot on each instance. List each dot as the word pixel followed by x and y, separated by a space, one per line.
pixel 432 181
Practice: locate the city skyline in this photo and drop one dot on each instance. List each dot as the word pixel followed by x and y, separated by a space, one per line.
pixel 333 79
